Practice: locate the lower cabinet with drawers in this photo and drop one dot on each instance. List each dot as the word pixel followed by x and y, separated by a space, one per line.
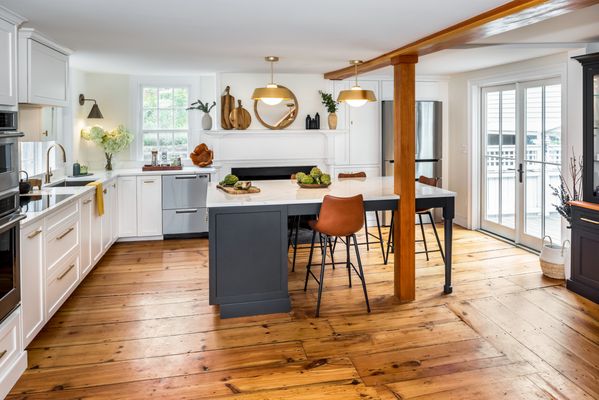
pixel 59 250
pixel 584 278
pixel 13 360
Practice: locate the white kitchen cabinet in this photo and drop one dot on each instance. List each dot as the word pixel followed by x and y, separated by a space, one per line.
pixel 107 217
pixel 149 206
pixel 96 231
pixel 127 199
pixel 32 280
pixel 61 282
pixel 8 63
pixel 14 360
pixel 86 227
pixel 114 211
pixel 43 70
pixel 365 131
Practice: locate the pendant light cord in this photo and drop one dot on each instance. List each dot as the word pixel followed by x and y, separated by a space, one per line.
pixel 272 80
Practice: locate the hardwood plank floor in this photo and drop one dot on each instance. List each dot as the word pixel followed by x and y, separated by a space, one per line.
pixel 140 327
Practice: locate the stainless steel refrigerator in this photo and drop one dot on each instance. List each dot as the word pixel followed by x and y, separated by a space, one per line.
pixel 428 139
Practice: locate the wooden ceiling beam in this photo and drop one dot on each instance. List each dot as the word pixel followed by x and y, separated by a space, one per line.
pixel 507 17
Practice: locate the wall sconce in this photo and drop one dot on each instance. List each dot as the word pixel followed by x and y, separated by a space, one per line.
pixel 95 111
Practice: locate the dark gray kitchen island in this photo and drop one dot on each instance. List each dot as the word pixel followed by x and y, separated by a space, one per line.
pixel 248 262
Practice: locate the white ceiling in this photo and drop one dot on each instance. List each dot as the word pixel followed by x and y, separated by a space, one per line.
pixel 184 36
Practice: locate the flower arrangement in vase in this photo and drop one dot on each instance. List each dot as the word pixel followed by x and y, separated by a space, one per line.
pixel 205 108
pixel 112 142
pixel 332 107
pixel 565 193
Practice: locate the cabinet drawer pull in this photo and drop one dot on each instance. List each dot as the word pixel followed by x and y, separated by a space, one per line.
pixel 152 181
pixel 34 234
pixel 71 229
pixel 87 201
pixel 592 221
pixel 66 272
pixel 3 354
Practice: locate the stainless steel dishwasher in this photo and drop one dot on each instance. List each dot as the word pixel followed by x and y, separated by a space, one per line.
pixel 184 204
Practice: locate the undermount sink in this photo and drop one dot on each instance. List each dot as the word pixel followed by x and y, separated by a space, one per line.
pixel 70 183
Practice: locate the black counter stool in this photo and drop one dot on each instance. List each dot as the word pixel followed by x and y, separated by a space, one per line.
pixel 339 217
pixel 420 212
pixel 379 238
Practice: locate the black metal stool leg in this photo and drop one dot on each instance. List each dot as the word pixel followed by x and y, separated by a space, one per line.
pixel 310 260
pixel 348 260
pixel 423 236
pixel 378 225
pixel 321 283
pixel 331 248
pixel 366 229
pixel 362 278
pixel 430 215
pixel 389 240
pixel 297 224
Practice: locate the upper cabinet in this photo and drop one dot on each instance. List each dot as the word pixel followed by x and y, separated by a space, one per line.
pixel 43 70
pixel 39 123
pixel 8 57
pixel 590 93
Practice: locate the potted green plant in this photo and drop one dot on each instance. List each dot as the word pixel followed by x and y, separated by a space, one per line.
pixel 112 142
pixel 332 107
pixel 205 108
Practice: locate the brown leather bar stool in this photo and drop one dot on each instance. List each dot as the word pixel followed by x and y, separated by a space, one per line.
pixel 379 238
pixel 420 212
pixel 339 217
pixel 293 233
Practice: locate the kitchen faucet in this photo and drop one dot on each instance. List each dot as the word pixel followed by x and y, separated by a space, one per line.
pixel 48 174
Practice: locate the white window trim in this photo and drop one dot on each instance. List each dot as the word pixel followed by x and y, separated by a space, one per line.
pixel 137 83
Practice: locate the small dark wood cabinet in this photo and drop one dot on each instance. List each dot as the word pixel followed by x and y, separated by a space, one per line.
pixel 584 278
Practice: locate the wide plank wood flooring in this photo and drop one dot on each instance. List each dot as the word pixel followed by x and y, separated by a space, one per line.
pixel 140 327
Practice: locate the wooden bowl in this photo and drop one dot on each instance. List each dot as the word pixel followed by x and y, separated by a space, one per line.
pixel 202 156
pixel 313 185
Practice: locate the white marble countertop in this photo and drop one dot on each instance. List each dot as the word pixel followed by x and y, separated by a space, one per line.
pixel 103 176
pixel 279 192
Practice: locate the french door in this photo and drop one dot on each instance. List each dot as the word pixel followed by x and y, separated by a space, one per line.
pixel 521 135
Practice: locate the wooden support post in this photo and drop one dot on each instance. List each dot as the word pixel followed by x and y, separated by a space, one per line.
pixel 404 115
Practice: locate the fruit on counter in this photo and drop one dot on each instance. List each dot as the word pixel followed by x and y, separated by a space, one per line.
pixel 307 180
pixel 325 179
pixel 315 172
pixel 229 180
pixel 242 185
pixel 299 176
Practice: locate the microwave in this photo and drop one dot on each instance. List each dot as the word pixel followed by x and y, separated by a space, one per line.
pixel 8 121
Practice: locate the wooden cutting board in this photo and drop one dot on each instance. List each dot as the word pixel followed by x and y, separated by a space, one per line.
pixel 240 117
pixel 232 190
pixel 227 103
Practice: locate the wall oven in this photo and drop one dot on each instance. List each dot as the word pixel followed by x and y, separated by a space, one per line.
pixel 9 150
pixel 10 291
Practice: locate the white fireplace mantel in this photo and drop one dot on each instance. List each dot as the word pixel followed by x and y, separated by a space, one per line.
pixel 265 148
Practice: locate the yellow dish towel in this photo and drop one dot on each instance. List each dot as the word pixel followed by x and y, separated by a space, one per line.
pixel 99 196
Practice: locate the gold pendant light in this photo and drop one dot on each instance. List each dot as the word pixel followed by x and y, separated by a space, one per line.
pixel 272 94
pixel 356 96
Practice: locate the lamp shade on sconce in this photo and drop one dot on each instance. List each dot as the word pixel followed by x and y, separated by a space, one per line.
pixel 95 112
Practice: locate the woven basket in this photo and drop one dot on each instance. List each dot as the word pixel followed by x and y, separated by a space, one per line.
pixel 553 259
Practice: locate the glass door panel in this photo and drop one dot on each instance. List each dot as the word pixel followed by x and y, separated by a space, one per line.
pixel 522 128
